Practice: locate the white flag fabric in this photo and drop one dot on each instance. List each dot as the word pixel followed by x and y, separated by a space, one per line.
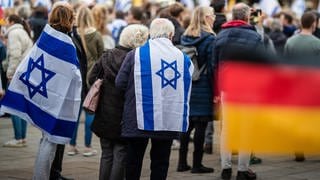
pixel 188 3
pixel 270 7
pixel 298 7
pixel 6 3
pixel 46 87
pixel 123 5
pixel 162 75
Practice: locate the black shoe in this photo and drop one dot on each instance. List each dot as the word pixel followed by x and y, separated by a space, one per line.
pixel 246 175
pixel 202 169
pixel 255 160
pixel 64 178
pixel 226 174
pixel 207 149
pixel 300 157
pixel 182 168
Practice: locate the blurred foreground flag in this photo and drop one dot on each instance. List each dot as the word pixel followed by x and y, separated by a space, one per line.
pixel 45 89
pixel 271 108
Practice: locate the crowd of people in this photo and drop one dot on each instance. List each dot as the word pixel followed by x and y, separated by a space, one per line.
pixel 133 50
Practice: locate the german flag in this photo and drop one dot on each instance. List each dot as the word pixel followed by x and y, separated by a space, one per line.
pixel 271 107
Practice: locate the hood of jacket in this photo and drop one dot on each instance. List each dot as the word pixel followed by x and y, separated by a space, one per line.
pixel 237 24
pixel 13 27
pixel 194 41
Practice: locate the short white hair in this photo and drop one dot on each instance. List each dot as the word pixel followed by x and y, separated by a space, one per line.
pixel 161 27
pixel 133 36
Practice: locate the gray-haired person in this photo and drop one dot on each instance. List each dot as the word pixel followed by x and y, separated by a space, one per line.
pixel 234 35
pixel 107 121
pixel 156 78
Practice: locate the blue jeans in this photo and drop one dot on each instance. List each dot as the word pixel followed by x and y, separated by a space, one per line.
pixel 87 131
pixel 19 127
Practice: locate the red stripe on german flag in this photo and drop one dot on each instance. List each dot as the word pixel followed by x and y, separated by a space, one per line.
pixel 270 108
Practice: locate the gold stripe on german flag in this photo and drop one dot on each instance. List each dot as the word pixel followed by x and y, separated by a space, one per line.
pixel 269 108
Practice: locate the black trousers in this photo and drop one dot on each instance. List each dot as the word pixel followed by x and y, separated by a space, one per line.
pixel 198 141
pixel 159 153
pixel 56 166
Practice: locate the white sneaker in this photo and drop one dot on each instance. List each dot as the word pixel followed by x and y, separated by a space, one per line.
pixel 89 152
pixel 15 143
pixel 175 145
pixel 72 151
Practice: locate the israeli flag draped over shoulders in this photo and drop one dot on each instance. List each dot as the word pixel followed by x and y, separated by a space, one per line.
pixel 45 90
pixel 162 75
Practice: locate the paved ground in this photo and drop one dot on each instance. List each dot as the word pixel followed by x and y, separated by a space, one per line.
pixel 17 163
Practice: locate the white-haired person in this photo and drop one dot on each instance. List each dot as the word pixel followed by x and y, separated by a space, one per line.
pixel 107 121
pixel 156 78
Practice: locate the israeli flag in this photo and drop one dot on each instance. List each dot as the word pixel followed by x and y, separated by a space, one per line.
pixel 123 5
pixel 270 7
pixel 298 6
pixel 45 89
pixel 162 75
pixel 6 3
pixel 188 3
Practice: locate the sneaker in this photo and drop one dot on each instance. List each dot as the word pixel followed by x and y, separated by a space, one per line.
pixel 64 178
pixel 89 152
pixel 72 151
pixel 183 168
pixel 226 174
pixel 246 175
pixel 175 145
pixel 207 149
pixel 255 160
pixel 202 169
pixel 14 143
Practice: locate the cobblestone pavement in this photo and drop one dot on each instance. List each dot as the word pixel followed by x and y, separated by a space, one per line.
pixel 17 163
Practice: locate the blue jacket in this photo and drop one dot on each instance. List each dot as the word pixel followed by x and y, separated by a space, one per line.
pixel 201 93
pixel 236 38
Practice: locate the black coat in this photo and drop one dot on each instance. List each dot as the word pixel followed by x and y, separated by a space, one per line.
pixel 220 20
pixel 279 40
pixel 37 24
pixel 82 60
pixel 108 117
pixel 178 31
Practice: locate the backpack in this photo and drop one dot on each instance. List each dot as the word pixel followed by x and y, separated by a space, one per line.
pixel 192 52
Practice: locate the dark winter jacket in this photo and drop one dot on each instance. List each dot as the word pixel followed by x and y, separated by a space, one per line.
pixel 108 117
pixel 279 40
pixel 82 60
pixel 178 31
pixel 220 20
pixel 236 38
pixel 201 93
pixel 37 24
pixel 125 81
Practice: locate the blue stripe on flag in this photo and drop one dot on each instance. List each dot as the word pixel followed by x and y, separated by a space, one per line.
pixel 146 86
pixel 186 80
pixel 51 45
pixel 50 124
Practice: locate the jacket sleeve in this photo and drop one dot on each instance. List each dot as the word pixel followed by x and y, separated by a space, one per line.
pixel 124 72
pixel 3 52
pixel 14 50
pixel 97 67
pixel 100 46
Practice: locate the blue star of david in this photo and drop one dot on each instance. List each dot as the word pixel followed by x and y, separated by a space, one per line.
pixel 46 75
pixel 164 80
